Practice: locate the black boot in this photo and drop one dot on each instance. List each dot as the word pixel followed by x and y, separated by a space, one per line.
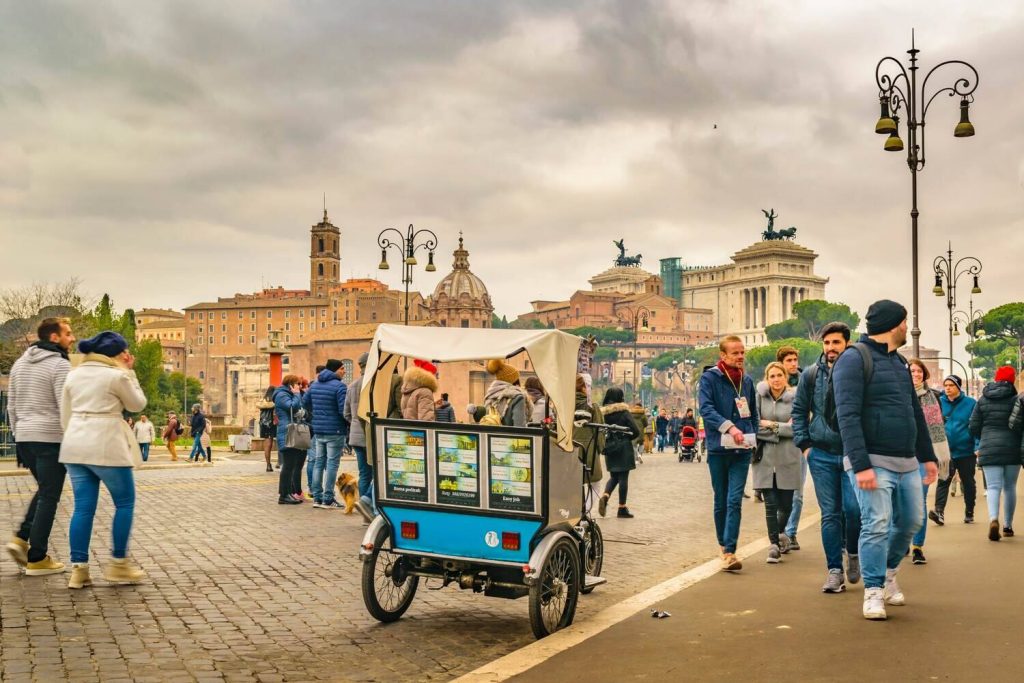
pixel 624 512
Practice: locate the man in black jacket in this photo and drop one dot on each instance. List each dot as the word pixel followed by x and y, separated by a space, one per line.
pixel 823 450
pixel 885 437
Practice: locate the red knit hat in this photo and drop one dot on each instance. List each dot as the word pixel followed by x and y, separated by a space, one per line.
pixel 426 365
pixel 1006 374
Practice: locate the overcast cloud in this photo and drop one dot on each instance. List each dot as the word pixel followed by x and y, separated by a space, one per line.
pixel 169 153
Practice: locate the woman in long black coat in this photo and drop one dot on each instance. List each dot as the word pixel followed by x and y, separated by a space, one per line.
pixel 618 450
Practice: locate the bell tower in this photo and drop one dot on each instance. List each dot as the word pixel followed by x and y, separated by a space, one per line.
pixel 324 257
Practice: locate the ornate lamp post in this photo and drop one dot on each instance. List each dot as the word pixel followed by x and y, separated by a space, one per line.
pixel 407 248
pixel 972 326
pixel 946 268
pixel 898 93
pixel 636 317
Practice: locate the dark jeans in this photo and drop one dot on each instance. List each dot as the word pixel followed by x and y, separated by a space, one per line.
pixel 290 481
pixel 966 468
pixel 41 460
pixel 365 471
pixel 728 477
pixel 837 499
pixel 620 479
pixel 778 504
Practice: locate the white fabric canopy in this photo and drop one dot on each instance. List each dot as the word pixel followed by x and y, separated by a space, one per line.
pixel 552 352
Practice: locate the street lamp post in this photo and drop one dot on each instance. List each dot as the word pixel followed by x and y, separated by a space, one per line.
pixel 637 318
pixel 407 247
pixel 898 92
pixel 972 326
pixel 946 268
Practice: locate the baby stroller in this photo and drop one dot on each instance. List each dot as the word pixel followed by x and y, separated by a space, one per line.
pixel 688 445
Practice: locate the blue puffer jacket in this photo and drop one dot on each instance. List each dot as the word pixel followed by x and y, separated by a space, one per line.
pixel 957 415
pixel 884 417
pixel 809 425
pixel 285 404
pixel 325 401
pixel 197 424
pixel 717 398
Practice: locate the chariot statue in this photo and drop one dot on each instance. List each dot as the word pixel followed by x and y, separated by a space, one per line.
pixel 771 234
pixel 622 259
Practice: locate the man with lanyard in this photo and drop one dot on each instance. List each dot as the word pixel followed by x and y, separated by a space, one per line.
pixel 729 407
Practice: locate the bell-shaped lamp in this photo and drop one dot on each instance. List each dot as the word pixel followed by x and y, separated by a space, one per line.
pixel 956 329
pixel 975 289
pixel 885 125
pixel 430 262
pixel 937 290
pixel 893 142
pixel 383 260
pixel 965 128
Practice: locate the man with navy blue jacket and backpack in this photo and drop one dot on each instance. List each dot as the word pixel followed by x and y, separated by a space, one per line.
pixel 884 436
pixel 325 401
pixel 729 407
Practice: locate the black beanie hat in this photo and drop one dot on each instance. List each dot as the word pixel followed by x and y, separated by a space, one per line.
pixel 885 315
pixel 955 380
pixel 333 365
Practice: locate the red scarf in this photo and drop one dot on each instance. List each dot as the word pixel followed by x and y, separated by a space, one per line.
pixel 735 375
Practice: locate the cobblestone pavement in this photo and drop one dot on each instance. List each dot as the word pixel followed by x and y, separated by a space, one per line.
pixel 243 589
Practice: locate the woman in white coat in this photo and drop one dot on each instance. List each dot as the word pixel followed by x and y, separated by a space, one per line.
pixel 99 446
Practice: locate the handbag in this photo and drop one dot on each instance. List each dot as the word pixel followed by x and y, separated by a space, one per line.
pixel 297 435
pixel 758 452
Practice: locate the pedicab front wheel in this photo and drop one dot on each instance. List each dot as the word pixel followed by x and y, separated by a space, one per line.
pixel 593 554
pixel 388 588
pixel 554 595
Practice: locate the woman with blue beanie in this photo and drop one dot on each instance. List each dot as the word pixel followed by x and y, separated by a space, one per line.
pixel 99 447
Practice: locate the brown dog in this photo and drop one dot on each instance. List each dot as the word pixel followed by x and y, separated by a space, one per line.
pixel 348 489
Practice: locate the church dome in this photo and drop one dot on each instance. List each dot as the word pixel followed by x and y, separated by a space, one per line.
pixel 461 281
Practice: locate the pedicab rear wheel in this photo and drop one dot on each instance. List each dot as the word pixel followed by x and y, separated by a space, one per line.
pixel 554 595
pixel 388 588
pixel 593 554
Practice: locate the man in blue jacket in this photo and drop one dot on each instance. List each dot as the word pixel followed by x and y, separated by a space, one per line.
pixel 884 437
pixel 325 401
pixel 840 514
pixel 956 412
pixel 729 407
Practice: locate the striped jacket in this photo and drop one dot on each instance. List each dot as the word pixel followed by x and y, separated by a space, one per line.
pixel 34 396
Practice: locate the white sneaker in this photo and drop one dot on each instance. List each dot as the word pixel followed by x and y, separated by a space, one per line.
pixel 892 593
pixel 874 604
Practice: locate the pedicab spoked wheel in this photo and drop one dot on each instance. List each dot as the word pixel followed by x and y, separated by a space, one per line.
pixel 553 597
pixel 593 553
pixel 388 588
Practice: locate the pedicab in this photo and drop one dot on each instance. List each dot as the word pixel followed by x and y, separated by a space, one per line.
pixel 496 510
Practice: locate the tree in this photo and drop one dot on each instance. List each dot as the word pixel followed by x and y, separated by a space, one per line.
pixel 149 366
pixel 1006 322
pixel 759 357
pixel 811 316
pixel 990 354
pixel 499 323
pixel 604 335
pixel 26 302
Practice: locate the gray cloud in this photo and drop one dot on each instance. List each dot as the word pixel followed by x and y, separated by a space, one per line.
pixel 202 135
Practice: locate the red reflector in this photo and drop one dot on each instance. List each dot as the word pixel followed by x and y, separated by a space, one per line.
pixel 509 540
pixel 410 530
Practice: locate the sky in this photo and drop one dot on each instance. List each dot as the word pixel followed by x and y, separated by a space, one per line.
pixel 171 152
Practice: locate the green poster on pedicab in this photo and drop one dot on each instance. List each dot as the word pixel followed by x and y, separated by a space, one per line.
pixel 406 464
pixel 511 473
pixel 458 468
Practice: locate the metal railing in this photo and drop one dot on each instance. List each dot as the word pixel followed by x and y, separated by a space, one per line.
pixel 6 438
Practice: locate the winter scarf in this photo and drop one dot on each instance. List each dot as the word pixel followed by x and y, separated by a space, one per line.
pixel 936 426
pixel 735 375
pixel 501 394
pixel 51 346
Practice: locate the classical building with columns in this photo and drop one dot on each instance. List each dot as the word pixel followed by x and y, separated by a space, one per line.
pixel 759 288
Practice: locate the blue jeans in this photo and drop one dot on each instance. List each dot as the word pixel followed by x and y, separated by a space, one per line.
pixel 144 447
pixel 728 477
pixel 920 535
pixel 1001 479
pixel 85 483
pixel 798 501
pixel 840 513
pixel 310 458
pixel 325 467
pixel 890 515
pixel 197 448
pixel 365 471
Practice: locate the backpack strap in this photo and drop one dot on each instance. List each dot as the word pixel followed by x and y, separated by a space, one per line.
pixel 867 361
pixel 812 375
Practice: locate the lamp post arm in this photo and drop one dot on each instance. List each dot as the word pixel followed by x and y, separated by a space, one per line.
pixel 887 83
pixel 963 86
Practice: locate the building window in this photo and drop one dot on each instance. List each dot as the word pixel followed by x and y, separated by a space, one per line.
pixel 200 340
pixel 287 338
pixel 323 324
pixel 321 245
pixel 335 269
pixel 239 327
pixel 302 327
pixel 252 339
pixel 270 314
pixel 202 375
pixel 224 315
pixel 287 327
pixel 465 323
pixel 287 314
pixel 201 330
pixel 240 339
pixel 302 312
pixel 252 327
pixel 268 327
pixel 240 315
pixel 223 339
pixel 320 269
pixel 323 312
pixel 211 341
pixel 223 328
pixel 252 314
pixel 191 315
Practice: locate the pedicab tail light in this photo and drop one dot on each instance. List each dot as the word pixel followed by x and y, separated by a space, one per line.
pixel 509 540
pixel 368 547
pixel 527 569
pixel 410 530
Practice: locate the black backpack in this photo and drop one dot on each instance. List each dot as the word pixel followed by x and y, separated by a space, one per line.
pixel 178 429
pixel 831 416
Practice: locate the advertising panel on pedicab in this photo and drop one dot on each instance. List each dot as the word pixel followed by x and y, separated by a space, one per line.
pixel 511 473
pixel 458 468
pixel 406 464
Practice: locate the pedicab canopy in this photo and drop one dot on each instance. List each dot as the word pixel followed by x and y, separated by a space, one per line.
pixel 553 354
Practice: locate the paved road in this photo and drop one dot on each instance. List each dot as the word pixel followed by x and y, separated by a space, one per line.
pixel 962 622
pixel 243 589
